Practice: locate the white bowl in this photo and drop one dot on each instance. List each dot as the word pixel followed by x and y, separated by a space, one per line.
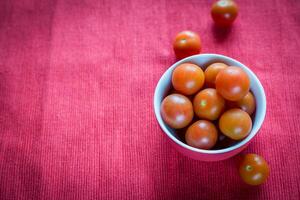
pixel 203 60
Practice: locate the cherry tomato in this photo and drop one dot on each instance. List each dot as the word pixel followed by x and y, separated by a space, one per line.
pixel 235 124
pixel 177 111
pixel 202 134
pixel 247 103
pixel 208 104
pixel 211 72
pixel 224 12
pixel 186 43
pixel 254 169
pixel 188 78
pixel 232 83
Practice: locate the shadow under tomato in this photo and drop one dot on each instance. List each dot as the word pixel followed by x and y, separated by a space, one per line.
pixel 221 33
pixel 248 192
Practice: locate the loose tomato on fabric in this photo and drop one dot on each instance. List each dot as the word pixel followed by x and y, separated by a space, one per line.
pixel 208 104
pixel 235 124
pixel 186 43
pixel 211 73
pixel 177 111
pixel 188 78
pixel 247 103
pixel 232 83
pixel 254 170
pixel 224 12
pixel 202 134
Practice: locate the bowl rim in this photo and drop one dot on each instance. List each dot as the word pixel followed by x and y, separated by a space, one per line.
pixel 217 151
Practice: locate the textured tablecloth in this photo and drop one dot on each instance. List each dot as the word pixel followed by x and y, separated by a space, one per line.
pixel 77 79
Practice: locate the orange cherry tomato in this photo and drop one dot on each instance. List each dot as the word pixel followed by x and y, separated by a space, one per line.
pixel 186 43
pixel 232 83
pixel 254 170
pixel 247 103
pixel 177 111
pixel 202 134
pixel 235 124
pixel 208 104
pixel 224 12
pixel 188 78
pixel 211 73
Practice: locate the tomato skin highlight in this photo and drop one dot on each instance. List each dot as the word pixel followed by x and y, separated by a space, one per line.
pixel 235 124
pixel 253 169
pixel 202 134
pixel 232 83
pixel 187 43
pixel 177 111
pixel 224 12
pixel 208 104
pixel 188 78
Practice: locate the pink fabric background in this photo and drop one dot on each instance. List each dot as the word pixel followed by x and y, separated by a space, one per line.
pixel 77 79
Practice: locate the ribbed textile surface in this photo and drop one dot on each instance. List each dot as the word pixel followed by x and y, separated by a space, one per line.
pixel 77 79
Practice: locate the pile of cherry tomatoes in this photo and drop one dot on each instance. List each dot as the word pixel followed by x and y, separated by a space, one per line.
pixel 219 95
pixel 213 108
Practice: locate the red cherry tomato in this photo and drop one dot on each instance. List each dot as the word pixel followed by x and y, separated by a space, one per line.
pixel 177 111
pixel 224 12
pixel 188 78
pixel 247 103
pixel 208 104
pixel 211 73
pixel 235 124
pixel 202 134
pixel 232 83
pixel 186 43
pixel 254 170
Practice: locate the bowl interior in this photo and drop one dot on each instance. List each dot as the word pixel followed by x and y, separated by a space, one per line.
pixel 203 60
